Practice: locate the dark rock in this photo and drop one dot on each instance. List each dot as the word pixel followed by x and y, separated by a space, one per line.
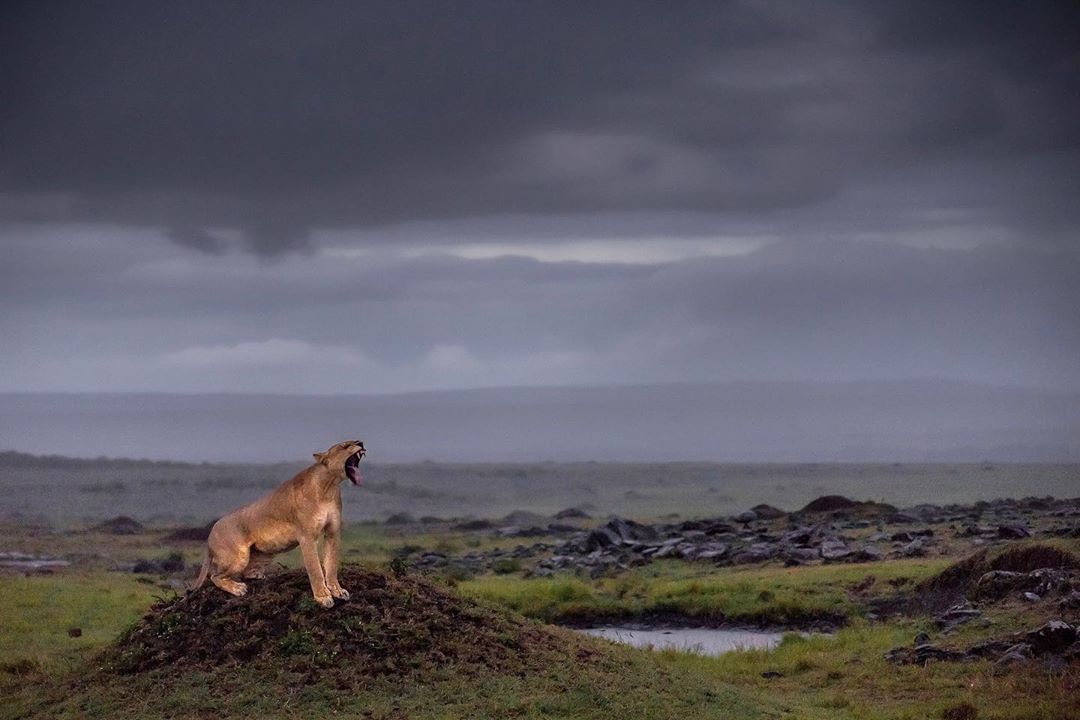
pixel 757 552
pixel 768 512
pixel 956 615
pixel 1071 601
pixel 915 548
pixel 900 518
pixel 401 518
pixel 770 674
pixel 922 655
pixel 523 518
pixel 921 639
pixel 869 553
pixel 572 513
pixel 601 537
pixel 997 584
pixel 800 556
pixel 799 536
pixel 190 534
pixel 628 530
pixel 172 563
pixel 470 525
pixel 1052 637
pixel 121 525
pixel 747 516
pixel 1017 654
pixel 834 549
pixel 557 528
pixel 74 632
pixel 828 503
pixel 1013 532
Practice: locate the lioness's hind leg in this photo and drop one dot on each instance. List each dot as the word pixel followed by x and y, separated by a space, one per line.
pixel 227 567
pixel 256 567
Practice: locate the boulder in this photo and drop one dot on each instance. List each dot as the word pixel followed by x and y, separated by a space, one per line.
pixel 1013 532
pixel 834 549
pixel 572 513
pixel 767 512
pixel 747 516
pixel 1055 636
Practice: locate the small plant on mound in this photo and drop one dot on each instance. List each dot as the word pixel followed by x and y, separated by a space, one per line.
pixel 392 625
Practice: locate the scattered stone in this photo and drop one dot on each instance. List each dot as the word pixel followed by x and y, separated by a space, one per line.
pixel 74 632
pixel 956 616
pixel 834 549
pixel 121 525
pixel 471 525
pixel 1017 654
pixel 747 516
pixel 770 674
pixel 1013 532
pixel 172 563
pixel 572 513
pixel 915 548
pixel 921 639
pixel 1031 597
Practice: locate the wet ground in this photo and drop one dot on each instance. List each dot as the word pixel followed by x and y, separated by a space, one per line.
pixel 707 641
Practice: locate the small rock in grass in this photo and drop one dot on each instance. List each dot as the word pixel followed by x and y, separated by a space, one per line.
pixel 770 674
pixel 74 632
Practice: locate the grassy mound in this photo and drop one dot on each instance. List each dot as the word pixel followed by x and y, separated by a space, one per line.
pixel 392 625
pixel 951 585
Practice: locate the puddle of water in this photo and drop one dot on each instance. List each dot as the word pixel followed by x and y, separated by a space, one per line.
pixel 707 641
pixel 23 561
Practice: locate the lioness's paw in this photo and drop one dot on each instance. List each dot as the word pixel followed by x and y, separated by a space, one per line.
pixel 326 602
pixel 340 593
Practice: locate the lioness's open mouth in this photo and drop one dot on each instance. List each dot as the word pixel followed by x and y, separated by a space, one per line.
pixel 352 467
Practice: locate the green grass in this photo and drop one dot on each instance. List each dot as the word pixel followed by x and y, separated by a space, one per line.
pixel 845 675
pixel 632 684
pixel 770 594
pixel 38 611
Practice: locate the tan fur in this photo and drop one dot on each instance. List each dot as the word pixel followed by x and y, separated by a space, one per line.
pixel 299 512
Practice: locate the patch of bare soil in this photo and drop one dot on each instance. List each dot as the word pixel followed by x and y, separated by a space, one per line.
pixel 391 625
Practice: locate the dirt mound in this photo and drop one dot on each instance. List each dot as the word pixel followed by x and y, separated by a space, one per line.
pixel 392 625
pixel 955 582
pixel 847 506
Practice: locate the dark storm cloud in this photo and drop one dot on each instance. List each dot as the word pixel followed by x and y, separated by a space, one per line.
pixel 277 119
pixel 116 310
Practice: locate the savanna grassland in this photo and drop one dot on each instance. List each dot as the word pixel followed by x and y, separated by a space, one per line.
pixel 859 612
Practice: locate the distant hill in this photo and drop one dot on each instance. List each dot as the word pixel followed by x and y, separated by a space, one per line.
pixel 741 422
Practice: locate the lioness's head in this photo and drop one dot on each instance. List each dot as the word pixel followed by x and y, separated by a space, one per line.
pixel 344 458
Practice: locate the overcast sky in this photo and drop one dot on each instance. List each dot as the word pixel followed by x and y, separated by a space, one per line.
pixel 378 197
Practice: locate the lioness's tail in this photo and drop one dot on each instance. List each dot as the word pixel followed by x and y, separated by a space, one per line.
pixel 203 572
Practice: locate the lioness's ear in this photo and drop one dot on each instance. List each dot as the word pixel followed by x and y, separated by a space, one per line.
pixel 319 457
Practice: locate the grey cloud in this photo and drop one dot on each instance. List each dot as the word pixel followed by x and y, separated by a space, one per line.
pixel 108 314
pixel 283 119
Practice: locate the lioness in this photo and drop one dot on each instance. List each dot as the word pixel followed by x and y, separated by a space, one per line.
pixel 297 513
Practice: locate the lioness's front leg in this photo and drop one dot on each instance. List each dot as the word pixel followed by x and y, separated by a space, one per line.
pixel 315 573
pixel 332 560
